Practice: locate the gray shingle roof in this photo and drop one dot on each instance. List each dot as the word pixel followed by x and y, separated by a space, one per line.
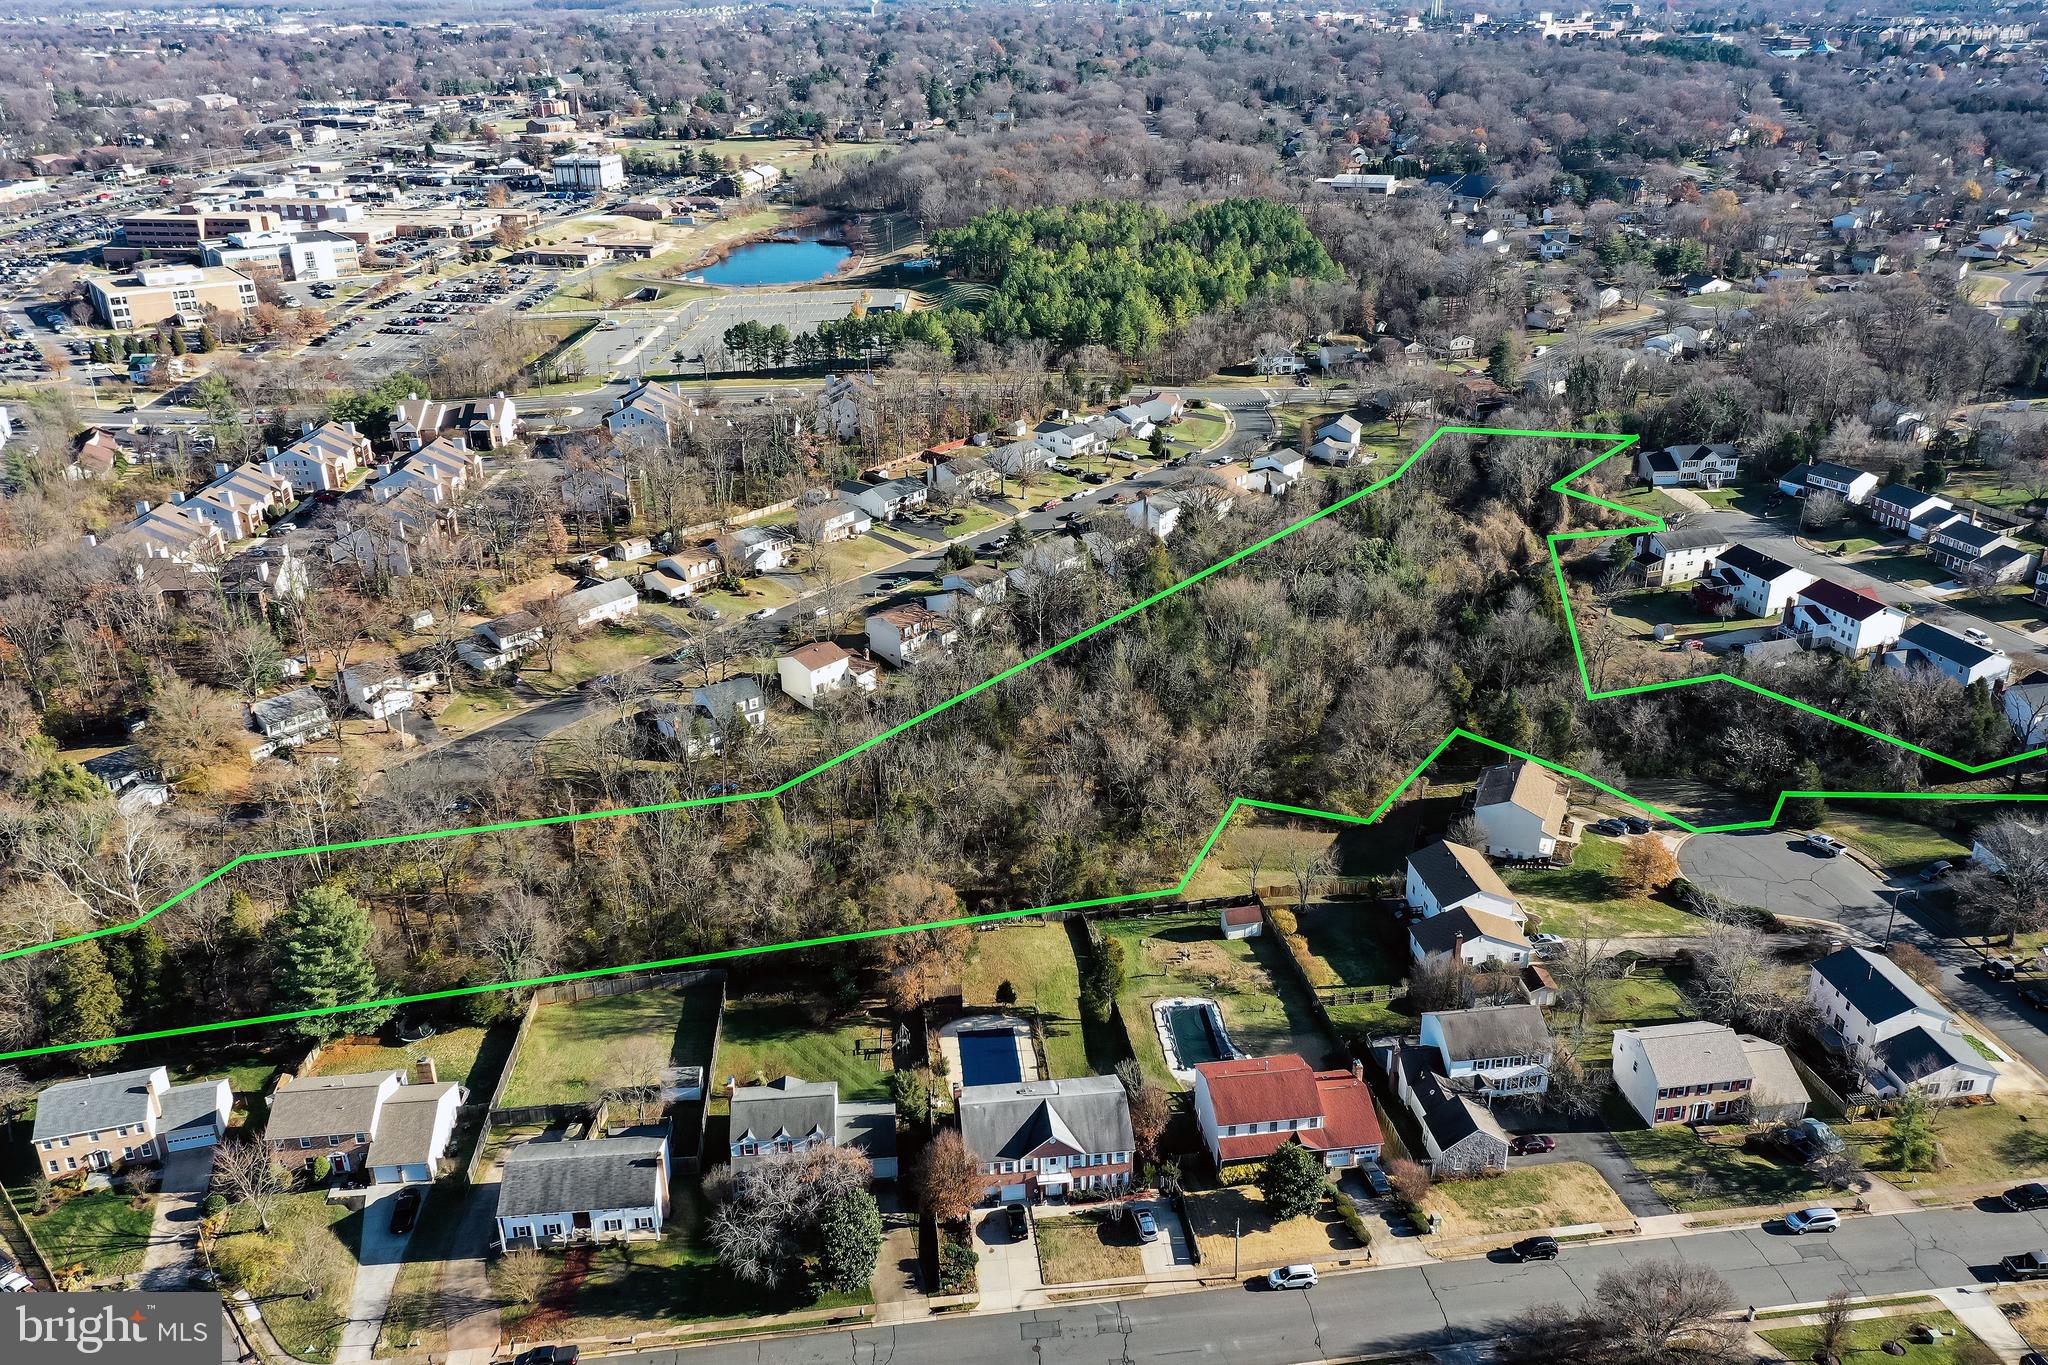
pixel 1918 1052
pixel 1693 1053
pixel 1754 562
pixel 323 1106
pixel 1453 872
pixel 1945 644
pixel 93 1103
pixel 1875 986
pixel 1499 1031
pixel 787 1106
pixel 1440 933
pixel 581 1177
pixel 1009 1121
pixel 405 1130
pixel 1449 1116
pixel 202 1104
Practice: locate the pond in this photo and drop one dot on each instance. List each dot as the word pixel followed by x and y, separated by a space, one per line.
pixel 777 263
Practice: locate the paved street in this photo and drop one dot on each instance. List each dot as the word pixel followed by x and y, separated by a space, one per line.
pixel 1773 870
pixel 1412 1308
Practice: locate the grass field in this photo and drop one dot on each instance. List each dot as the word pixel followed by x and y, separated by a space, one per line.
pixel 1346 943
pixel 1081 1247
pixel 1692 1175
pixel 1641 613
pixel 1892 843
pixel 1645 997
pixel 460 1055
pixel 1214 1215
pixel 98 1231
pixel 320 1241
pixel 766 1038
pixel 1863 1341
pixel 570 1047
pixel 1037 960
pixel 1525 1199
pixel 2012 606
pixel 1583 898
pixel 1184 954
pixel 1903 567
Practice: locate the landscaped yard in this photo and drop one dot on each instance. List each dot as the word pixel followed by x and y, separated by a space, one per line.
pixel 1894 844
pixel 2012 605
pixel 769 1037
pixel 1692 1175
pixel 607 649
pixel 100 1231
pixel 1980 1144
pixel 1081 1247
pixel 1525 1199
pixel 1184 954
pixel 1646 996
pixel 1863 1341
pixel 319 1242
pixel 1642 612
pixel 1583 898
pixel 1347 943
pixel 572 1046
pixel 470 1057
pixel 1037 962
pixel 1215 1215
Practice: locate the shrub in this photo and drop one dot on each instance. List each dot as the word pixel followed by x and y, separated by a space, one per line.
pixel 956 1266
pixel 1411 1187
pixel 1347 1209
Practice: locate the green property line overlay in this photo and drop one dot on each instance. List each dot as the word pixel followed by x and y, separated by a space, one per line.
pixel 1644 522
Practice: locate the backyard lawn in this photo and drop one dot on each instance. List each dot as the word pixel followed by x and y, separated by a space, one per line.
pixel 470 1057
pixel 1863 1341
pixel 1346 943
pixel 1081 1247
pixel 1214 1215
pixel 767 1037
pixel 99 1231
pixel 1583 898
pixel 1183 954
pixel 1037 962
pixel 1646 996
pixel 1525 1199
pixel 1892 843
pixel 1642 612
pixel 572 1045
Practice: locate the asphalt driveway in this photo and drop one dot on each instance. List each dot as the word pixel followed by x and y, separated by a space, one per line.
pixel 1587 1139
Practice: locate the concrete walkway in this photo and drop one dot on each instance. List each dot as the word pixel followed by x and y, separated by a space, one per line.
pixel 173 1251
pixel 1981 1315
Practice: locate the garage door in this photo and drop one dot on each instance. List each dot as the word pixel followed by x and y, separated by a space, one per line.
pixel 1014 1194
pixel 185 1142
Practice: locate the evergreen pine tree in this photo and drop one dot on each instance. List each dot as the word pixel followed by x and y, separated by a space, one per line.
pixel 84 1002
pixel 322 953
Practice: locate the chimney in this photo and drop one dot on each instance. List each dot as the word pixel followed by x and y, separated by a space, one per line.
pixel 1357 1069
pixel 141 509
pixel 89 540
pixel 424 1071
pixel 220 469
pixel 305 428
pixel 178 497
pixel 268 452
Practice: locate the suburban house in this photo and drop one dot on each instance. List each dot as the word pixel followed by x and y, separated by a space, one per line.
pixel 323 457
pixel 481 423
pixel 1247 1109
pixel 834 519
pixel 2026 709
pixel 289 719
pixel 1851 621
pixel 605 601
pixel 1342 430
pixel 1447 876
pixel 888 501
pixel 1523 808
pixel 965 475
pixel 1491 1051
pixel 1689 466
pixel 1980 553
pixel 1460 1136
pixel 608 1189
pixel 793 1115
pixel 1894 1032
pixel 1068 440
pixel 1472 936
pixel 759 549
pixel 649 411
pixel 1925 646
pixel 501 641
pixel 1241 921
pixel 1696 1072
pixel 966 594
pixel 839 405
pixel 238 501
pixel 1897 507
pixel 683 574
pixel 373 1121
pixel 814 672
pixel 1853 486
pixel 1758 584
pixel 380 688
pixel 103 1123
pixel 1039 1139
pixel 1668 558
pixel 735 699
pixel 902 633
pixel 1156 513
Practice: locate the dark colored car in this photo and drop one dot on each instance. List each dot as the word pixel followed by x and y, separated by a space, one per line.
pixel 1018 1221
pixel 1611 828
pixel 1534 1249
pixel 1636 824
pixel 552 1355
pixel 2020 1198
pixel 1528 1144
pixel 2027 1265
pixel 2001 968
pixel 2036 997
pixel 405 1210
pixel 1376 1181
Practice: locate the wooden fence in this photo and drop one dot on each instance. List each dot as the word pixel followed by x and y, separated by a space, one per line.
pixel 38 1269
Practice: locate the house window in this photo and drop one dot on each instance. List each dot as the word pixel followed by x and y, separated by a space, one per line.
pixel 551 1229
pixel 644 1224
pixel 614 1225
pixel 305 1142
pixel 53 1164
pixel 95 1137
pixel 334 1140
pixel 1965 1087
pixel 70 1163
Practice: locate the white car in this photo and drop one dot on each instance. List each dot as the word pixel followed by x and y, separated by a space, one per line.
pixel 1833 848
pixel 1803 1221
pixel 1977 637
pixel 1292 1277
pixel 761 615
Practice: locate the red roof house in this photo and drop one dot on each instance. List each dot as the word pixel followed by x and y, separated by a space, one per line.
pixel 1250 1107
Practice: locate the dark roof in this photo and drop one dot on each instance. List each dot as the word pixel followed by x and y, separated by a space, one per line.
pixel 581 1177
pixel 1007 1121
pixel 1754 562
pixel 1874 986
pixel 788 1107
pixel 1839 473
pixel 1688 538
pixel 869 1129
pixel 1453 873
pixel 1945 644
pixel 1918 1052
pixel 1493 1031
pixel 93 1102
pixel 1441 933
pixel 1842 601
pixel 1902 497
pixel 1449 1116
pixel 1663 461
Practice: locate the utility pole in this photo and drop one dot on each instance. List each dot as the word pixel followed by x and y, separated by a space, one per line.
pixel 1236 1239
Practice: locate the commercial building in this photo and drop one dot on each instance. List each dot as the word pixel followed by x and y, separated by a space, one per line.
pixel 590 171
pixel 185 292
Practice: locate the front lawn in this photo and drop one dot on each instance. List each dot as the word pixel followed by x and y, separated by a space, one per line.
pixel 1890 842
pixel 570 1045
pixel 1214 1216
pixel 1980 1145
pixel 1083 1247
pixel 1692 1175
pixel 2010 606
pixel 1037 962
pixel 1525 1199
pixel 1863 1341
pixel 1904 567
pixel 102 1231
pixel 1184 954
pixel 769 1037
pixel 315 1245
pixel 1583 898
pixel 1199 428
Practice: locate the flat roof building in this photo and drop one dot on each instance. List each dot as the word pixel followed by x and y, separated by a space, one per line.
pixel 149 296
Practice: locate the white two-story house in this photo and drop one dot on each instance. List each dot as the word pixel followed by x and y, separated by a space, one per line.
pixel 815 672
pixel 1499 1050
pixel 901 634
pixel 1893 1031
pixel 1758 584
pixel 1826 615
pixel 1666 559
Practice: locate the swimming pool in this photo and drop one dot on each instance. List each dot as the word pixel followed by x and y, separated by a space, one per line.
pixel 1195 1036
pixel 989 1057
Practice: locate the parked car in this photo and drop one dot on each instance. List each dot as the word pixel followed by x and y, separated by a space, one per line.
pixel 1937 870
pixel 1636 824
pixel 761 615
pixel 2020 1198
pixel 1977 637
pixel 1528 1144
pixel 1534 1249
pixel 1613 829
pixel 1802 1221
pixel 405 1211
pixel 2026 1265
pixel 552 1355
pixel 2001 968
pixel 2035 997
pixel 1148 1226
pixel 1826 845
pixel 1304 1277
pixel 704 613
pixel 1017 1221
pixel 1376 1181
